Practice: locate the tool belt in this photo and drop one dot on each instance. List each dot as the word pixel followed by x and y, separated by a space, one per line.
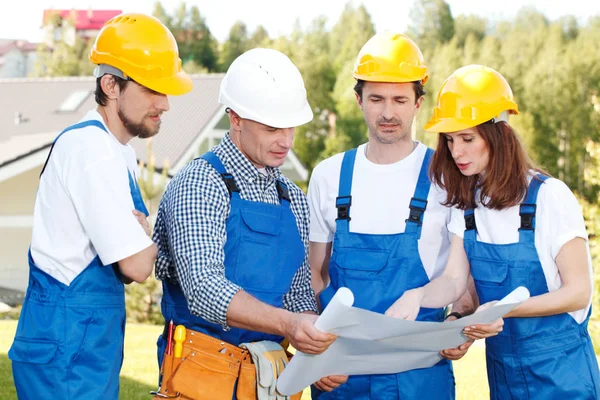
pixel 208 369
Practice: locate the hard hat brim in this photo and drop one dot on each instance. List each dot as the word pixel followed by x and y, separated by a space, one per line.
pixel 448 125
pixel 175 85
pixel 281 122
pixel 390 78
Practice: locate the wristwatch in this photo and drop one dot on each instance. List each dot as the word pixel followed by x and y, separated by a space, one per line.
pixel 454 314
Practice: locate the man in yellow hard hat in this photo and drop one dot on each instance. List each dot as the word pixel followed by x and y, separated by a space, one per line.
pixel 232 235
pixel 377 223
pixel 90 233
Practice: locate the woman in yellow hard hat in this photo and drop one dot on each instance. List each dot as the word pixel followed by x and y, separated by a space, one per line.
pixel 513 225
pixel 87 239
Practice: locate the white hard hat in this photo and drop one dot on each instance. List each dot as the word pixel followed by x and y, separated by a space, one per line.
pixel 263 85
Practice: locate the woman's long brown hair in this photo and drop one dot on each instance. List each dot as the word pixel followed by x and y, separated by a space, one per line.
pixel 505 182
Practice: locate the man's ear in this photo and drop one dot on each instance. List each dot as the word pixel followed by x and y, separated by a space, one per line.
pixel 359 100
pixel 109 86
pixel 234 120
pixel 418 104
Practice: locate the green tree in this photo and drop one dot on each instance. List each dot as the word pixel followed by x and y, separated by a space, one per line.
pixel 591 214
pixel 346 126
pixel 431 23
pixel 349 34
pixel 197 46
pixel 160 13
pixel 259 38
pixel 235 45
pixel 312 59
pixel 201 46
pixel 442 62
pixel 561 77
pixel 61 57
pixel 570 27
pixel 350 128
pixel 58 60
pixel 471 25
pixel 490 54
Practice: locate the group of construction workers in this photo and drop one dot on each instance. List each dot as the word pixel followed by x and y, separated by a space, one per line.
pixel 247 261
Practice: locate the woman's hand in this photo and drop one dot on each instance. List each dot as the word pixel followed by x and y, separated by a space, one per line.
pixel 483 331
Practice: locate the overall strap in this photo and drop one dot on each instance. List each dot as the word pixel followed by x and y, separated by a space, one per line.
pixel 418 203
pixel 83 124
pixel 344 199
pixel 528 209
pixel 136 195
pixel 216 163
pixel 283 193
pixel 470 225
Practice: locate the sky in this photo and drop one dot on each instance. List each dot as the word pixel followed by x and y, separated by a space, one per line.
pixel 24 19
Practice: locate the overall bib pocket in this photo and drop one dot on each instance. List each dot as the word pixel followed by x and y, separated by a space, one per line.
pixel 362 268
pixel 258 246
pixel 490 278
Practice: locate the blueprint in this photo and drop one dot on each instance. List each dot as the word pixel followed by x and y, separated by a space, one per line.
pixel 372 343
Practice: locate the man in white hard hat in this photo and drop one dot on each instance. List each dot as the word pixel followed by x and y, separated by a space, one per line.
pixel 232 234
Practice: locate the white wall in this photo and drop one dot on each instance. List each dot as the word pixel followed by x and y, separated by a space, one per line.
pixel 14 270
pixel 17 64
pixel 17 197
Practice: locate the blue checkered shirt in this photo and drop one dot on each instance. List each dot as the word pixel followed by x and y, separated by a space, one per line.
pixel 190 232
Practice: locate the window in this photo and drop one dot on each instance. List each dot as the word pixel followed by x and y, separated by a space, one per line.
pixel 74 100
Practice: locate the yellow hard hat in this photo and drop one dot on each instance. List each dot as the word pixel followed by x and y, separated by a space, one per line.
pixel 472 95
pixel 142 48
pixel 390 57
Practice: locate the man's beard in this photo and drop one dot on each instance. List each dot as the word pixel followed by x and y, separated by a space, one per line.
pixel 137 129
pixel 389 139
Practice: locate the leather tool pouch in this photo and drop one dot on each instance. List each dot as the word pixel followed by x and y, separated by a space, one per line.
pixel 208 370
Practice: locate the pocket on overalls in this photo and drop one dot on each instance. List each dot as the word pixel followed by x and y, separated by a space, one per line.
pixel 203 376
pixel 490 279
pixel 34 371
pixel 361 269
pixel 257 252
pixel 360 263
pixel 32 351
pixel 585 368
pixel 95 325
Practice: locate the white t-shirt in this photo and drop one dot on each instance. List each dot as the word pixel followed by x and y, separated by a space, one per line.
pixel 83 206
pixel 558 220
pixel 380 198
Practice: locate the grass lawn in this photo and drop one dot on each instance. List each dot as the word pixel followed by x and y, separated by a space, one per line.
pixel 140 369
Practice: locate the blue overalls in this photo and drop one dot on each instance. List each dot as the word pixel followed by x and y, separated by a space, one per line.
pixel 379 269
pixel 69 341
pixel 263 252
pixel 538 357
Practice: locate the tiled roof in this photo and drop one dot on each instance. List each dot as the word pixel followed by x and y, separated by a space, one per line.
pixel 34 101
